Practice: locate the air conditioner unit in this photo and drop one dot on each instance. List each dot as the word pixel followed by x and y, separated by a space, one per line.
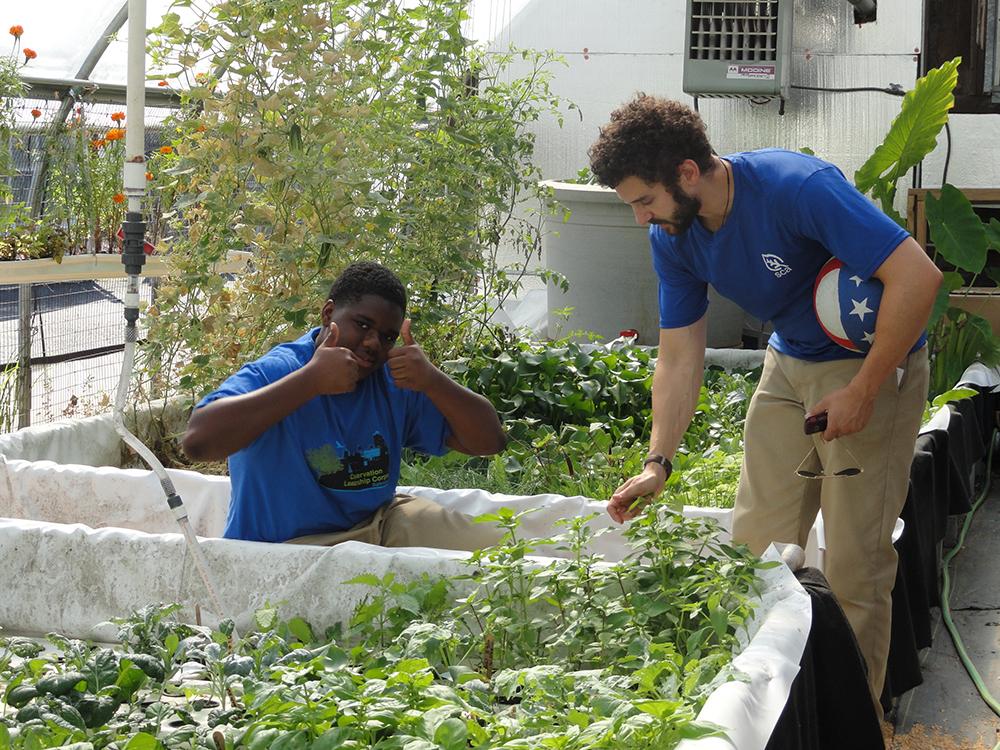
pixel 738 48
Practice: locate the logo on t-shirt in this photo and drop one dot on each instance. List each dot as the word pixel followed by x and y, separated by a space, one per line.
pixel 775 264
pixel 362 469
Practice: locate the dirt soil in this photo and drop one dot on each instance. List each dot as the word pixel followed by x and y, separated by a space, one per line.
pixel 172 456
pixel 921 737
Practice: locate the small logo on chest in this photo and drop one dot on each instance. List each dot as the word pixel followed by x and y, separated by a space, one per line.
pixel 775 264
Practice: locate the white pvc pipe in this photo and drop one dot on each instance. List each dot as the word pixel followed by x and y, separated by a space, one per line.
pixel 135 107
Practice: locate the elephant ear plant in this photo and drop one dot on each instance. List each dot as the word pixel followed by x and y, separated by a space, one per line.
pixel 961 239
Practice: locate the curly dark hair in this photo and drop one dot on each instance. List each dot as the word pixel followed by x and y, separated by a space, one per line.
pixel 367 277
pixel 648 138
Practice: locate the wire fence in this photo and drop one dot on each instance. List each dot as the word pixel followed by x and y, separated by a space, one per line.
pixel 71 337
pixel 60 341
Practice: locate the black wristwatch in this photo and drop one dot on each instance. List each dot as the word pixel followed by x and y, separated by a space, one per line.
pixel 656 458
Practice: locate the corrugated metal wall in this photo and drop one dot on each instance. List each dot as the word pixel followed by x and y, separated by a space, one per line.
pixel 613 49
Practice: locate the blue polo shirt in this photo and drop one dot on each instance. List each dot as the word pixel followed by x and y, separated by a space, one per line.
pixel 330 463
pixel 790 213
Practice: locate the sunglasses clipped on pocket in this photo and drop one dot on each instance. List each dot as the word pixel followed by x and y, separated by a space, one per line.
pixel 812 467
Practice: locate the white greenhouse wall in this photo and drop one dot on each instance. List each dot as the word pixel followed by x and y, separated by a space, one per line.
pixel 975 153
pixel 614 48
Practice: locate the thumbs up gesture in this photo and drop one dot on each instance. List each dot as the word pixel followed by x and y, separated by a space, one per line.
pixel 334 369
pixel 408 364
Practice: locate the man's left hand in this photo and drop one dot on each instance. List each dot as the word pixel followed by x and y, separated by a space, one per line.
pixel 408 364
pixel 847 411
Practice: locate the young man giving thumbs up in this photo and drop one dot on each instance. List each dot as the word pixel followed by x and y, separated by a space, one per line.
pixel 314 429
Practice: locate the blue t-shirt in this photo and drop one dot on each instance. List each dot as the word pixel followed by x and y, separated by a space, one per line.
pixel 330 463
pixel 790 213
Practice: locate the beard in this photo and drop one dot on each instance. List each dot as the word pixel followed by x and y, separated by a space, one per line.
pixel 684 214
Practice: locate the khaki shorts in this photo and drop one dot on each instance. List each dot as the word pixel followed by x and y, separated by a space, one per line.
pixel 410 521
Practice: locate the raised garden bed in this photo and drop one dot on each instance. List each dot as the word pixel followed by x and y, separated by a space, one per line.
pixel 82 545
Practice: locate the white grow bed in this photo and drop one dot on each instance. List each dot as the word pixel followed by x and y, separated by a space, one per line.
pixel 81 544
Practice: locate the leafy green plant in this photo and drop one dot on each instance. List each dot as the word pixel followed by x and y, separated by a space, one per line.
pixel 564 384
pixel 562 443
pixel 720 412
pixel 382 617
pixel 379 132
pixel 705 479
pixel 576 460
pixel 29 239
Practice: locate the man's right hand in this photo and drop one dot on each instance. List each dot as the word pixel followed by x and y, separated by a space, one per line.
pixel 333 369
pixel 631 497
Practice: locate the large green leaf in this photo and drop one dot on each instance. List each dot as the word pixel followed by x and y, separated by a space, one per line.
pixel 951 282
pixel 143 741
pixel 958 233
pixel 913 134
pixel 987 345
pixel 993 234
pixel 955 394
pixel 993 273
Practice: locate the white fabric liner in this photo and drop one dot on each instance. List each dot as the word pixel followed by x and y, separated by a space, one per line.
pixel 80 545
pixel 980 375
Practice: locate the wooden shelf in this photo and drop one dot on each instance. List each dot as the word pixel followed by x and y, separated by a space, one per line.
pixel 103 266
pixel 916 207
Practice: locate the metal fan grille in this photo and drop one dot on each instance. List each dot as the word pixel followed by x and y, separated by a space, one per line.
pixel 744 31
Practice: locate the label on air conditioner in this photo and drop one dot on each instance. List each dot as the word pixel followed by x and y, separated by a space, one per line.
pixel 751 72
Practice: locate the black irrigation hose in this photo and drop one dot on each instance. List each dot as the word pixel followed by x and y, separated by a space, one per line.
pixel 947 154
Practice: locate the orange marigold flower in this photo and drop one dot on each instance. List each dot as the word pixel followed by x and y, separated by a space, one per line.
pixel 149 175
pixel 166 149
pixel 29 54
pixel 97 143
pixel 118 198
pixel 115 134
pixel 163 83
pixel 201 127
pixel 36 113
pixel 16 30
pixel 117 116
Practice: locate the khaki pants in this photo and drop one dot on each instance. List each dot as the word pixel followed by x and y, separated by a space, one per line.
pixel 408 521
pixel 773 504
